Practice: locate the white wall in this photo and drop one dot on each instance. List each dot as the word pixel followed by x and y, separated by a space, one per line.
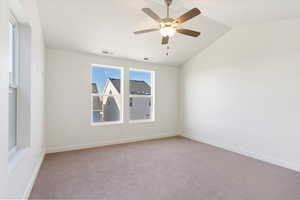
pixel 68 103
pixel 16 181
pixel 3 93
pixel 242 93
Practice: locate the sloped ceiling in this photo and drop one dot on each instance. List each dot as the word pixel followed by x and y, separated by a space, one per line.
pixel 244 12
pixel 92 26
pixel 95 25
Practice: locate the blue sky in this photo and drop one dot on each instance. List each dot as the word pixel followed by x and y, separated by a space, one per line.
pixel 101 74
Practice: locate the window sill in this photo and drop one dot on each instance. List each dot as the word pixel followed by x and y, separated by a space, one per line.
pixel 15 158
pixel 106 123
pixel 141 121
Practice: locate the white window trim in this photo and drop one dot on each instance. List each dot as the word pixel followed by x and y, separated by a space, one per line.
pixel 12 152
pixel 152 119
pixel 22 62
pixel 15 23
pixel 14 159
pixel 121 121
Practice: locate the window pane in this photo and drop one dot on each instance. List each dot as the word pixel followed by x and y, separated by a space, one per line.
pixel 106 94
pixel 12 109
pixel 140 108
pixel 106 108
pixel 140 83
pixel 106 80
pixel 11 54
pixel 12 138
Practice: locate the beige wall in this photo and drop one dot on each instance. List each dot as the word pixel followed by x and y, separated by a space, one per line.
pixel 17 180
pixel 3 94
pixel 242 93
pixel 68 103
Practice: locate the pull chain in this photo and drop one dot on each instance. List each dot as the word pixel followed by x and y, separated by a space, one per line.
pixel 168 48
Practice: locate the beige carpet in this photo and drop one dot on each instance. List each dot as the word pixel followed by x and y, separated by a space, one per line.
pixel 164 169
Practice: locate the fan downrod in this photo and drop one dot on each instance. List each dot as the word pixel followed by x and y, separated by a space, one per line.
pixel 168 2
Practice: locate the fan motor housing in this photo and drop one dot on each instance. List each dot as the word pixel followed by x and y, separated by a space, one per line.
pixel 168 20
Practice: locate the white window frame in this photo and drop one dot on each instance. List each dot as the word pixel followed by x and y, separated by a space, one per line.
pixel 15 82
pixel 152 96
pixel 22 69
pixel 121 121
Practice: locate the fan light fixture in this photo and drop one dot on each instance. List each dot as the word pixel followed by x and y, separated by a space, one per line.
pixel 168 25
pixel 167 31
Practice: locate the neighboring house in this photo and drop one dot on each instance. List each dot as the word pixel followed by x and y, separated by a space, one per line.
pixel 112 104
pixel 107 108
pixel 94 88
pixel 97 104
pixel 140 107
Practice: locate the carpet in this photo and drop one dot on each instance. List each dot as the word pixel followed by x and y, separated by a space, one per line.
pixel 164 169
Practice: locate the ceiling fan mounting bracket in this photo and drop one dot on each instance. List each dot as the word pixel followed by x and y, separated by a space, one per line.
pixel 168 2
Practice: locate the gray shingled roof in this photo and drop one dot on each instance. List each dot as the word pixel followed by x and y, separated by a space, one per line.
pixel 116 83
pixel 136 87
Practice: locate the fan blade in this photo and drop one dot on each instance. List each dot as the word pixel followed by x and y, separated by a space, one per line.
pixel 152 14
pixel 146 31
pixel 165 40
pixel 188 15
pixel 188 32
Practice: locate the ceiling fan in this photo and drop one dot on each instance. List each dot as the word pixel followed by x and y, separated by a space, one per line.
pixel 168 25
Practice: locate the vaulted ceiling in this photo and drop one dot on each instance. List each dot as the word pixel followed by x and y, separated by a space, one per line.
pixel 92 26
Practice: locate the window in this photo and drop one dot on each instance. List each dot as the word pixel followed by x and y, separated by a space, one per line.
pixel 141 97
pixel 13 87
pixel 107 94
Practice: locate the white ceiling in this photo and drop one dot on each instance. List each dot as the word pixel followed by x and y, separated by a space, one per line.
pixel 95 25
pixel 243 12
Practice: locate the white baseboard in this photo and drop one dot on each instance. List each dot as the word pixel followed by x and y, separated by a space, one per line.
pixel 105 143
pixel 243 151
pixel 33 176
